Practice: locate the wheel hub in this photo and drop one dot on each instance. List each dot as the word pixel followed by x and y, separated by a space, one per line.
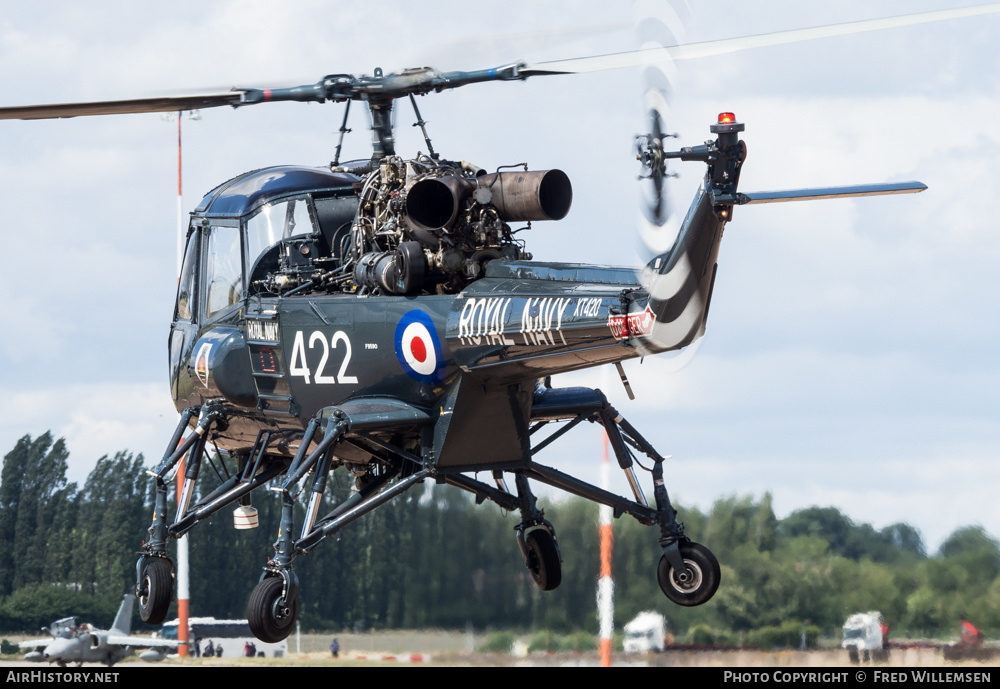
pixel 281 611
pixel 689 579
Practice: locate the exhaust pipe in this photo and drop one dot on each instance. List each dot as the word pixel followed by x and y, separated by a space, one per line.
pixel 520 196
pixel 434 203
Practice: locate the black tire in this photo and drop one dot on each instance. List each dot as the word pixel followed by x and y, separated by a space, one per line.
pixel 704 576
pixel 853 656
pixel 543 559
pixel 156 591
pixel 270 617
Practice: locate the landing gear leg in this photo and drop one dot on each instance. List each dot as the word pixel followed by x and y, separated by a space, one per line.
pixel 688 572
pixel 539 547
pixel 154 571
pixel 274 602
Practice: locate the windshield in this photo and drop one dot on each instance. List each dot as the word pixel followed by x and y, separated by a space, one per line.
pixel 646 633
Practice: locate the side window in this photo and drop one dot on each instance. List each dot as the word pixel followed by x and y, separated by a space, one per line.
pixel 186 284
pixel 265 229
pixel 275 222
pixel 299 221
pixel 223 269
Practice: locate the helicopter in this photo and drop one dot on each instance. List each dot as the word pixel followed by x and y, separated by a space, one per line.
pixel 280 359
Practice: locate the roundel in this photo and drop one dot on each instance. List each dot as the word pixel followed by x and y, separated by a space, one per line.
pixel 418 349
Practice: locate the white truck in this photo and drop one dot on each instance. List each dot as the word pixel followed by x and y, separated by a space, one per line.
pixel 646 633
pixel 865 637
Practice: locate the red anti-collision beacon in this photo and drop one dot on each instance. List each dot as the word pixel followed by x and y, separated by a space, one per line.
pixel 726 124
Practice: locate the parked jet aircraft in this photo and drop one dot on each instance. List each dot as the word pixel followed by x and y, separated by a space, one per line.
pixel 84 644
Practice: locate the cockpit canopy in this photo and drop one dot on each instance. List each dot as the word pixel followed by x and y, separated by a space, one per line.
pixel 246 221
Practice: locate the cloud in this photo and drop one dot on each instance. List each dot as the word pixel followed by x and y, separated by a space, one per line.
pixel 96 420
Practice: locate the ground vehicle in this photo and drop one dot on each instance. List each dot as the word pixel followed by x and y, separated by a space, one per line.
pixel 866 637
pixel 229 635
pixel 646 633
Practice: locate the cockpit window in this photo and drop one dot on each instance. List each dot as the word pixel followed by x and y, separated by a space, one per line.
pixel 185 288
pixel 275 222
pixel 223 270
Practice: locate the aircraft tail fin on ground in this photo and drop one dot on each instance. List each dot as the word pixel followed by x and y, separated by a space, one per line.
pixel 123 620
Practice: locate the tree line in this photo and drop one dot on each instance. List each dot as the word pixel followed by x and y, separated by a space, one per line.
pixel 433 558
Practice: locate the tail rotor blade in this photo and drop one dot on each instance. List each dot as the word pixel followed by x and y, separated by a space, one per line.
pixel 661 27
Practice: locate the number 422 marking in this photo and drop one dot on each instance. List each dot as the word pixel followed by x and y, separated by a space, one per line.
pixel 299 367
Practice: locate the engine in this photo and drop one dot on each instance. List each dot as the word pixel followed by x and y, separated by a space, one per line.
pixel 429 225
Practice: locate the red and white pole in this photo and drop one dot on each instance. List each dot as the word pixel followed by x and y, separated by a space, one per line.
pixel 605 584
pixel 180 205
pixel 183 587
pixel 183 591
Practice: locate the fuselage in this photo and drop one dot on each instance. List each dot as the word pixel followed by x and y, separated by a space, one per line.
pixel 87 647
pixel 278 361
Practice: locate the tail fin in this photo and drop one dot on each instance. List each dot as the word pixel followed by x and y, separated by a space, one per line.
pixel 680 281
pixel 123 620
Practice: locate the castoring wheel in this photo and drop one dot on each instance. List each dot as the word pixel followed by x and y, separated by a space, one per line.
pixel 543 559
pixel 695 586
pixel 269 615
pixel 155 590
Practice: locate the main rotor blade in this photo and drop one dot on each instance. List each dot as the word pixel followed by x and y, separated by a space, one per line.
pixel 852 191
pixel 731 45
pixel 392 86
pixel 122 107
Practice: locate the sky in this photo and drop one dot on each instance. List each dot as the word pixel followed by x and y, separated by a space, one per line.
pixel 848 356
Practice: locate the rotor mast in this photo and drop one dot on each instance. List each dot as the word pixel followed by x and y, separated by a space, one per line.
pixel 380 91
pixel 383 143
